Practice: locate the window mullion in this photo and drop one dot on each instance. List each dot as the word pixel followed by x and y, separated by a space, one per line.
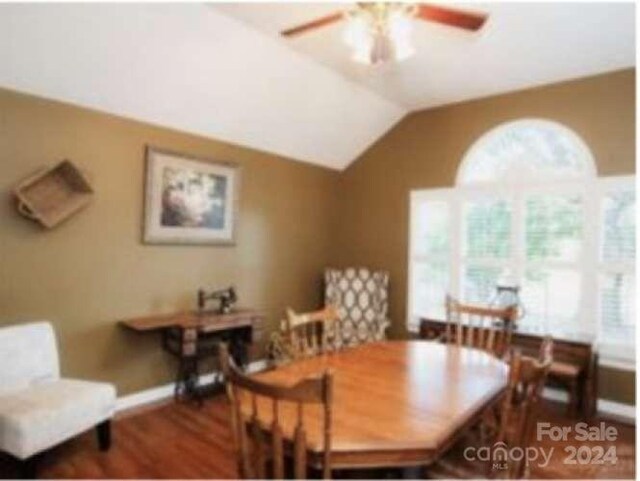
pixel 517 236
pixel 589 258
pixel 456 245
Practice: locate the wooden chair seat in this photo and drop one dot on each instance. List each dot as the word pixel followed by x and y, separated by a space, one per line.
pixel 565 370
pixel 570 375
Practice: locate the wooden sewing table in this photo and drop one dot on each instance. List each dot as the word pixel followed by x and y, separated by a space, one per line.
pixel 192 336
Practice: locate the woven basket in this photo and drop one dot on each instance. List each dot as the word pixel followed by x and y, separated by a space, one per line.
pixel 54 194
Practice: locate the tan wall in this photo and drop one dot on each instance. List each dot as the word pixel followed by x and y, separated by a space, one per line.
pixel 424 150
pixel 93 270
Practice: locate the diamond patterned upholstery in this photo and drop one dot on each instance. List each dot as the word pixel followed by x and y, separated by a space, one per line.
pixel 361 297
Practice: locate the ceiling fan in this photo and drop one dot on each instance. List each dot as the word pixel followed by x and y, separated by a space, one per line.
pixel 380 32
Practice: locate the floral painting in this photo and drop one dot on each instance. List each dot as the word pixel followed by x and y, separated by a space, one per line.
pixel 189 200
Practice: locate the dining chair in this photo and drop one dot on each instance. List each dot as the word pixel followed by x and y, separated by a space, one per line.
pixel 312 333
pixel 306 335
pixel 260 450
pixel 486 328
pixel 518 413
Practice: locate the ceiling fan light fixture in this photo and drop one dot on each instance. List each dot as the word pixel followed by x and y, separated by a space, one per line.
pixel 379 33
pixel 400 29
pixel 357 36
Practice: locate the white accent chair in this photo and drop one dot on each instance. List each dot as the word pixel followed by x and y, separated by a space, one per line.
pixel 38 408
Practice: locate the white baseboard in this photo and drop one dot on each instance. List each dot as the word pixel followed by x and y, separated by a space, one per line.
pixel 616 410
pixel 140 398
pixel 623 412
pixel 165 391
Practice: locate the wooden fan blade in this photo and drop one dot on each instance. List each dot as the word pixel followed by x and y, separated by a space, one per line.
pixel 451 17
pixel 318 23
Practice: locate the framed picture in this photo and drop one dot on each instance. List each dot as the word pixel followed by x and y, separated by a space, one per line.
pixel 189 200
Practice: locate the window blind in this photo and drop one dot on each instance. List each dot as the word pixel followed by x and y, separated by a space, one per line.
pixel 431 238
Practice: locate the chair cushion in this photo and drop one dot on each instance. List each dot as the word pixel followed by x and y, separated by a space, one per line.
pixel 45 414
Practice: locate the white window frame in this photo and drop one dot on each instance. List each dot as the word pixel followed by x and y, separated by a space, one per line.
pixel 584 265
pixel 441 195
pixel 613 352
pixel 591 190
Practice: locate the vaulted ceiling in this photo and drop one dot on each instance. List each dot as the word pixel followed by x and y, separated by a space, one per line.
pixel 193 68
pixel 521 45
pixel 222 70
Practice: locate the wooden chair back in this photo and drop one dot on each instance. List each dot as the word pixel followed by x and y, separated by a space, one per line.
pixel 312 333
pixel 485 328
pixel 527 378
pixel 260 452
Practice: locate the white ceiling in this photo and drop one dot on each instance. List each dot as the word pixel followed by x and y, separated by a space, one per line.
pixel 222 70
pixel 190 67
pixel 521 45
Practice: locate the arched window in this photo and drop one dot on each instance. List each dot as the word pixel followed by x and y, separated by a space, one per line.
pixel 529 150
pixel 529 209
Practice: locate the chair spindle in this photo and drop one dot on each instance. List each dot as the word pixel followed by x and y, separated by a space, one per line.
pixel 260 448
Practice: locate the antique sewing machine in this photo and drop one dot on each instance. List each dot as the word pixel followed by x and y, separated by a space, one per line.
pixel 193 336
pixel 227 298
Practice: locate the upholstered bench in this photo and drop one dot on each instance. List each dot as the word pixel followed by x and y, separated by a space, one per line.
pixel 38 409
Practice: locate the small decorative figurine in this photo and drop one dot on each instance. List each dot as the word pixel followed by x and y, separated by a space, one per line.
pixel 227 298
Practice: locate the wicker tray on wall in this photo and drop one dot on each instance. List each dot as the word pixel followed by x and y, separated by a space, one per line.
pixel 54 194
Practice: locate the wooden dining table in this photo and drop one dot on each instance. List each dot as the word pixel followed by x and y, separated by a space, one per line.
pixel 395 403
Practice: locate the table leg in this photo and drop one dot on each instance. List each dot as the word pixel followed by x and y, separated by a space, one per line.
pixel 573 407
pixel 187 383
pixel 239 352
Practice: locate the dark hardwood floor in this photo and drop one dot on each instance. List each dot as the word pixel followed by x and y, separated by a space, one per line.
pixel 183 441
